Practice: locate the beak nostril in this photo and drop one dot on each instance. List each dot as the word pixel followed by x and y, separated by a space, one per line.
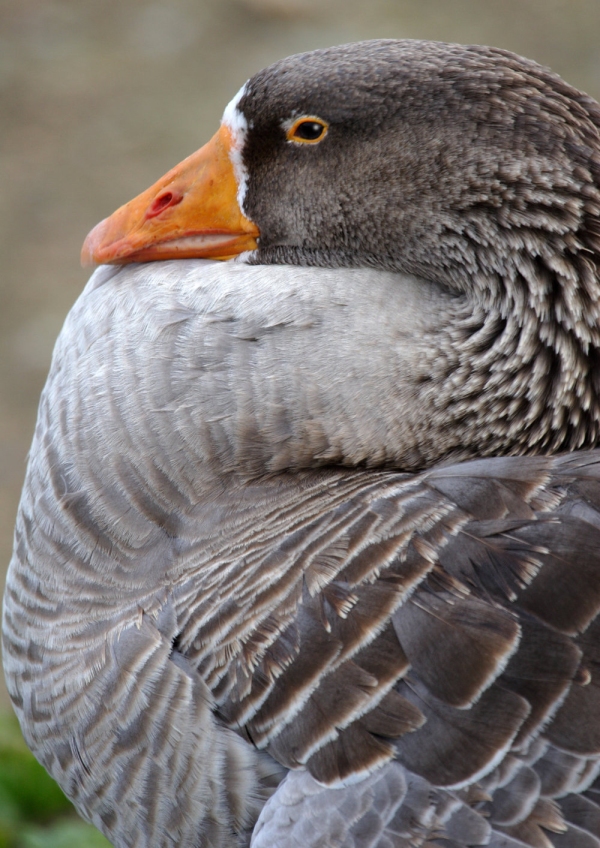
pixel 163 201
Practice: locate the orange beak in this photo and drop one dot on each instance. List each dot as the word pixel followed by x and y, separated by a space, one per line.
pixel 191 212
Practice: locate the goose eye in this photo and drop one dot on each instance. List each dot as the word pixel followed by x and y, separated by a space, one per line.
pixel 307 130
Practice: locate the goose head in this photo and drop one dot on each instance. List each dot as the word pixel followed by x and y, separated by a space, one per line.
pixel 470 168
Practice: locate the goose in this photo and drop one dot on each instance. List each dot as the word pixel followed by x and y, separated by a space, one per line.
pixel 308 551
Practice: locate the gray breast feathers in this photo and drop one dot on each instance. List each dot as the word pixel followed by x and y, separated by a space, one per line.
pixel 215 633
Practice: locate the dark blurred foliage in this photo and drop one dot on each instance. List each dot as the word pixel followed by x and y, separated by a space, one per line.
pixel 34 813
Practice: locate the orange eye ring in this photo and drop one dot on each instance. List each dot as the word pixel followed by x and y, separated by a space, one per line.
pixel 307 130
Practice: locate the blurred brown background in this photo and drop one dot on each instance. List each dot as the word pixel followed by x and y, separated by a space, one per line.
pixel 99 98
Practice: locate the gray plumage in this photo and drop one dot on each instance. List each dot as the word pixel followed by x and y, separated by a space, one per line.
pixel 255 597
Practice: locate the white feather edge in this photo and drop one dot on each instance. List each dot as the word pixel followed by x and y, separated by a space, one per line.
pixel 236 123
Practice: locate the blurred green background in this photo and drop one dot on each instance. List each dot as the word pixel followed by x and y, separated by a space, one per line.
pixel 98 98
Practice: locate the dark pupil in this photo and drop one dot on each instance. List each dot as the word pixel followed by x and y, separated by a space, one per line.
pixel 310 130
